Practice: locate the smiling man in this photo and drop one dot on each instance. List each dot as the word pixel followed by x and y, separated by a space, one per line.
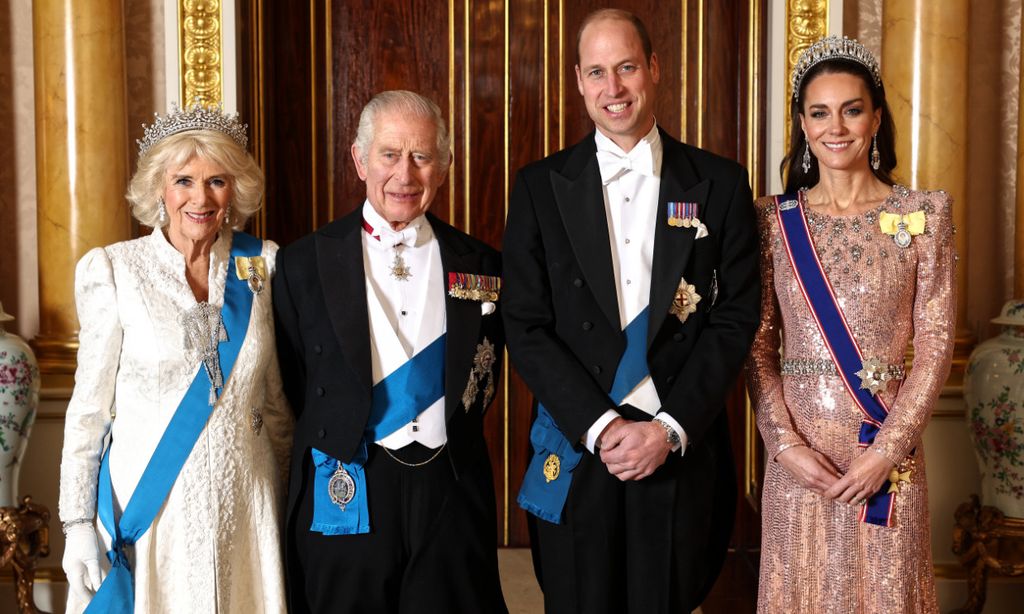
pixel 631 299
pixel 390 346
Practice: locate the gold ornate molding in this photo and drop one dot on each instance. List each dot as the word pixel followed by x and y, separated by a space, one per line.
pixel 199 37
pixel 806 22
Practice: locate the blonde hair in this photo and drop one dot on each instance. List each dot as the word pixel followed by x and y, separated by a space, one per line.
pixel 245 176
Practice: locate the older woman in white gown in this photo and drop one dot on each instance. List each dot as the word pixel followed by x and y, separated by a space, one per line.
pixel 176 325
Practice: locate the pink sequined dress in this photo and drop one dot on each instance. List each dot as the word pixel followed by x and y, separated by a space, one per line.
pixel 816 554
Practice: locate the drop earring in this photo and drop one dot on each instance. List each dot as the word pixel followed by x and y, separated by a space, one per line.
pixel 227 216
pixel 807 158
pixel 876 160
pixel 161 212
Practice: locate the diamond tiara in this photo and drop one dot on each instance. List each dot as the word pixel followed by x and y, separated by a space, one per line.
pixel 198 117
pixel 834 47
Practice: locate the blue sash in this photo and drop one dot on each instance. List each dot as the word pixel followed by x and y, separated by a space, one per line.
pixel 544 496
pixel 117 593
pixel 838 337
pixel 395 400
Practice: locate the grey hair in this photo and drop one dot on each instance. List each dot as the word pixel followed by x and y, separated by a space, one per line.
pixel 408 103
pixel 244 175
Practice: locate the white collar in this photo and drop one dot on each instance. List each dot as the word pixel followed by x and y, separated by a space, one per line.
pixel 645 157
pixel 378 224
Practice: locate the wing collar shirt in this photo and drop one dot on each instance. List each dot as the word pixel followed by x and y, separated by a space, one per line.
pixel 631 183
pixel 406 315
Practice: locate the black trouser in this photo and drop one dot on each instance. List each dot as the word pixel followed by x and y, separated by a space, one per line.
pixel 648 546
pixel 431 546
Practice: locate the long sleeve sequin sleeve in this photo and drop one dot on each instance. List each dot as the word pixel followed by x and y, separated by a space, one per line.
pixel 89 412
pixel 763 365
pixel 934 327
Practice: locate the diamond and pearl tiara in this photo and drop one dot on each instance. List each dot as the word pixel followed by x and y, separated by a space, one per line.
pixel 834 47
pixel 198 117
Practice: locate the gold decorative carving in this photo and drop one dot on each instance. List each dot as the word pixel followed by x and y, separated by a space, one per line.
pixel 200 37
pixel 24 538
pixel 806 22
pixel 986 542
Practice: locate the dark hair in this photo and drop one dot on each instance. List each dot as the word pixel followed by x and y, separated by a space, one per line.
pixel 621 15
pixel 793 174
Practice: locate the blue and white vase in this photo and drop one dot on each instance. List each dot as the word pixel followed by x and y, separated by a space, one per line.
pixel 994 392
pixel 19 398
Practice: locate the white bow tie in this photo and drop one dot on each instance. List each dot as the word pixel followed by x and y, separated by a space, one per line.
pixel 406 237
pixel 613 166
pixel 390 238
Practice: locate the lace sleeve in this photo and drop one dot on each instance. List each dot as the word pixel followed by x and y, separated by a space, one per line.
pixel 934 328
pixel 89 412
pixel 763 364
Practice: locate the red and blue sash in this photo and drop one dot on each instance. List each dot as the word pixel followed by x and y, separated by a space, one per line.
pixel 846 354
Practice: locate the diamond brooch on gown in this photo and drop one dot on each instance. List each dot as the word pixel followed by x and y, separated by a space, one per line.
pixel 204 330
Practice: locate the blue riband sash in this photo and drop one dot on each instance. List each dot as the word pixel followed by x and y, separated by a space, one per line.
pixel 117 592
pixel 394 401
pixel 407 392
pixel 846 354
pixel 544 497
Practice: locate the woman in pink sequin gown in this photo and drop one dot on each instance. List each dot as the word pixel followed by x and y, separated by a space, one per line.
pixel 817 556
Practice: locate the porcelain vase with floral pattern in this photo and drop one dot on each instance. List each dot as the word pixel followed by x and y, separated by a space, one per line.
pixel 994 392
pixel 19 398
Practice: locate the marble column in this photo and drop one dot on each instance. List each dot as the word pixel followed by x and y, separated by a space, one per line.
pixel 81 159
pixel 924 67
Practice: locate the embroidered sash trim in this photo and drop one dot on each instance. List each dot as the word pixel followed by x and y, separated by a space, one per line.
pixel 839 339
pixel 117 593
pixel 546 483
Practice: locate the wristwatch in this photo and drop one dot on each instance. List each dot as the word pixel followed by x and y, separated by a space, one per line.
pixel 671 436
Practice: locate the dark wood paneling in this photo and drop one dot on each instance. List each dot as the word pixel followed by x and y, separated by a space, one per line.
pixel 525 133
pixel 322 61
pixel 664 24
pixel 286 96
pixel 381 45
pixel 722 107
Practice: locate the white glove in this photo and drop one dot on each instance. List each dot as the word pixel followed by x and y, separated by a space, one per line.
pixel 81 560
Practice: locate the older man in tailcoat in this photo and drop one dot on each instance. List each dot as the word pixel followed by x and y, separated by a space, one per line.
pixel 390 344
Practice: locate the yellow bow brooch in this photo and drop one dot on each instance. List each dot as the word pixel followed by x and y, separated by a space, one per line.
pixel 902 227
pixel 252 269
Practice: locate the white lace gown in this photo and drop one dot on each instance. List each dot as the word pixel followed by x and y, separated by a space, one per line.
pixel 214 546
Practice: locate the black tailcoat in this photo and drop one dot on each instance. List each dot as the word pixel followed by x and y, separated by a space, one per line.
pixel 323 338
pixel 561 317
